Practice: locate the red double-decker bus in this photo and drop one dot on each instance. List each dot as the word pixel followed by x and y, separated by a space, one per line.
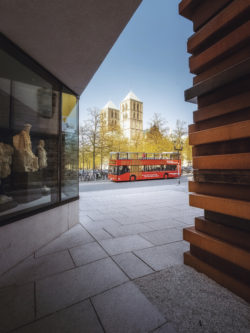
pixel 141 166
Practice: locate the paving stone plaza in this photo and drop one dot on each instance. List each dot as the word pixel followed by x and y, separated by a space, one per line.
pixel 107 274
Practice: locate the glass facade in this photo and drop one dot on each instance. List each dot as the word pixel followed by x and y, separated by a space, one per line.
pixel 38 140
pixel 70 139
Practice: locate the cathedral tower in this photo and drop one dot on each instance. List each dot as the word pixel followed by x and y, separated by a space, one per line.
pixel 111 115
pixel 132 116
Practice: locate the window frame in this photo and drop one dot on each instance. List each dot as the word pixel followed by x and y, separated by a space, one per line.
pixel 14 51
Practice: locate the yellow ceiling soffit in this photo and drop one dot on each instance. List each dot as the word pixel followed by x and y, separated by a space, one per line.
pixel 68 105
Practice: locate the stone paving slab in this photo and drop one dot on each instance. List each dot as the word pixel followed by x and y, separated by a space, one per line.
pixel 133 226
pixel 133 219
pixel 78 318
pixel 99 216
pixel 165 236
pixel 100 234
pixel 161 213
pixel 87 253
pixel 100 224
pixel 85 208
pixel 16 306
pixel 125 230
pixel 67 288
pixel 132 265
pixel 75 236
pixel 125 309
pixel 114 215
pixel 160 257
pixel 124 244
pixel 164 223
pixel 33 269
pixel 83 218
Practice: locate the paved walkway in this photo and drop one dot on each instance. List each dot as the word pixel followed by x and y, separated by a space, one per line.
pixel 84 281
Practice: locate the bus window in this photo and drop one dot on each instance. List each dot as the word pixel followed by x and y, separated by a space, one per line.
pixel 170 167
pixel 164 156
pixel 133 156
pixel 154 168
pixel 150 156
pixel 157 156
pixel 148 168
pixel 113 170
pixel 141 156
pixel 113 156
pixel 134 168
pixel 123 169
pixel 123 156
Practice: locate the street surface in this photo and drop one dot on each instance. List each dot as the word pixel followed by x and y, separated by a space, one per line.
pixel 120 269
pixel 109 185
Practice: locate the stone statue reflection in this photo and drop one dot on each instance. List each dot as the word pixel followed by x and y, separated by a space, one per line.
pixel 42 162
pixel 42 155
pixel 24 159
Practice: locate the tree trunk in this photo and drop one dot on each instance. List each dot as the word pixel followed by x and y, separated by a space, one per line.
pixel 83 160
pixel 94 158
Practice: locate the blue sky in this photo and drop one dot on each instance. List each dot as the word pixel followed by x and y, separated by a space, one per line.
pixel 149 58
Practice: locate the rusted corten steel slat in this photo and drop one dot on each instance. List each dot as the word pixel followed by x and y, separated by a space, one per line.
pixel 231 104
pixel 220 49
pixel 233 15
pixel 229 132
pixel 225 279
pixel 227 251
pixel 228 234
pixel 238 192
pixel 220 135
pixel 239 55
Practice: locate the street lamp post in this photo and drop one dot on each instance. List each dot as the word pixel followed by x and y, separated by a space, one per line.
pixel 178 149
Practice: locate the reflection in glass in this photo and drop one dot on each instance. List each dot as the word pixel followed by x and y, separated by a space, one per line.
pixel 29 138
pixel 70 136
pixel 5 101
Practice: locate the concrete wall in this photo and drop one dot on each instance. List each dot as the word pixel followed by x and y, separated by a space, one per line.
pixel 69 38
pixel 20 239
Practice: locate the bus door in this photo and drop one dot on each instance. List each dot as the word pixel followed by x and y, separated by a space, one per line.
pixel 136 170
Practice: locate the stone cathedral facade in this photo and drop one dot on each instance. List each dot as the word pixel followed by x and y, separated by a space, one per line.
pixel 129 117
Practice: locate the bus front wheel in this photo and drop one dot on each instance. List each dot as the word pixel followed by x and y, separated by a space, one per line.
pixel 132 178
pixel 166 176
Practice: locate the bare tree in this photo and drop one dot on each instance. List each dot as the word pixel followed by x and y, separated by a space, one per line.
pixel 83 145
pixel 179 132
pixel 137 141
pixel 91 129
pixel 104 140
pixel 157 130
pixel 159 123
